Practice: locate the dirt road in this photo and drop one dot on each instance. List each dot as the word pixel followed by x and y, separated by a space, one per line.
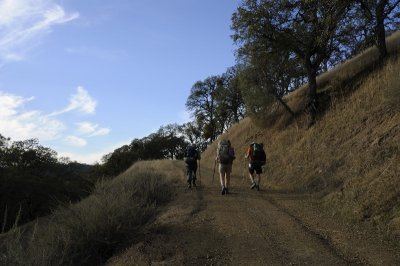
pixel 249 227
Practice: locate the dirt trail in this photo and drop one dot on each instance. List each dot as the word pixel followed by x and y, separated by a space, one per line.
pixel 248 227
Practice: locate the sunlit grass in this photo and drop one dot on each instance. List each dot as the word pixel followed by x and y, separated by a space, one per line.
pixel 350 157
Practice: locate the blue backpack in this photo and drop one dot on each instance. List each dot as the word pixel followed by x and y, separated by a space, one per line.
pixel 191 155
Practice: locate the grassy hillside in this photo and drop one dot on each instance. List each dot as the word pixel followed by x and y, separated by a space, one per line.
pixel 91 231
pixel 350 157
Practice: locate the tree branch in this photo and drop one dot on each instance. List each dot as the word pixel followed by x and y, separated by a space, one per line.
pixel 391 8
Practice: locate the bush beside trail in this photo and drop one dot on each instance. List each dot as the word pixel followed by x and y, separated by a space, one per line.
pixel 91 231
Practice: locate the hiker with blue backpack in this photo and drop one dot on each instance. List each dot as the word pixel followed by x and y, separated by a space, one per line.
pixel 257 158
pixel 190 158
pixel 225 157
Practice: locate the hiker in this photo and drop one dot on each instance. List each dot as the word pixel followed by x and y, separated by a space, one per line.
pixel 191 157
pixel 256 155
pixel 225 157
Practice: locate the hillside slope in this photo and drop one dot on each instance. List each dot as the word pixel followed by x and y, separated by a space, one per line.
pixel 325 191
pixel 248 227
pixel 350 157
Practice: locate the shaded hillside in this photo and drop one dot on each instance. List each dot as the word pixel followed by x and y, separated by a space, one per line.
pixel 92 230
pixel 351 156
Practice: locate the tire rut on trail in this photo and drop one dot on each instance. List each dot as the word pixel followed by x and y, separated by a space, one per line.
pixel 246 227
pixel 259 233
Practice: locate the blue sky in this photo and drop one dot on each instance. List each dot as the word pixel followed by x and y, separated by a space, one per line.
pixel 88 76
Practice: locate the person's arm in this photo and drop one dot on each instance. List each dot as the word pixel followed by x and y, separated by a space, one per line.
pixel 247 153
pixel 232 152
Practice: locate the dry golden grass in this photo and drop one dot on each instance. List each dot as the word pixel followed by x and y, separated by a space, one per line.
pixel 370 138
pixel 350 157
pixel 91 231
pixel 167 167
pixel 337 79
pixel 358 63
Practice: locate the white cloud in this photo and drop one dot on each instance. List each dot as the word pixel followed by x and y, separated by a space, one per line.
pixel 101 132
pixel 75 141
pixel 19 124
pixel 22 22
pixel 9 103
pixel 91 129
pixel 86 127
pixel 93 157
pixel 80 101
pixel 89 158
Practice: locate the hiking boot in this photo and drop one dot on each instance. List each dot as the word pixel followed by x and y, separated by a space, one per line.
pixel 253 186
pixel 223 191
pixel 189 185
pixel 194 184
pixel 226 191
pixel 258 187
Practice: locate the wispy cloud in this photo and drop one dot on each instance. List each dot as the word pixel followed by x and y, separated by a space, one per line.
pixel 75 141
pixel 86 127
pixel 80 101
pixel 19 124
pixel 101 132
pixel 91 129
pixel 22 22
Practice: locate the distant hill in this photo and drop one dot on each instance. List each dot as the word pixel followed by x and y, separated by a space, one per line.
pixel 351 156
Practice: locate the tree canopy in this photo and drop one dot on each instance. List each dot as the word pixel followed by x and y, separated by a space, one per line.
pixel 309 31
pixel 376 17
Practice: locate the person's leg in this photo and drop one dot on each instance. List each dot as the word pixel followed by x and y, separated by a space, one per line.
pixel 251 175
pixel 189 176
pixel 251 171
pixel 259 172
pixel 228 177
pixel 194 170
pixel 222 177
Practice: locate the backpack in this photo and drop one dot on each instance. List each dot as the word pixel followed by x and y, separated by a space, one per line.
pixel 225 152
pixel 258 156
pixel 190 155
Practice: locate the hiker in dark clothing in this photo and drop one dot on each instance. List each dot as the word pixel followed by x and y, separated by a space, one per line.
pixel 191 157
pixel 257 158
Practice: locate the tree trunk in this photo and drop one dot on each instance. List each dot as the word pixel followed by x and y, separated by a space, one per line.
pixel 284 105
pixel 380 29
pixel 312 104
